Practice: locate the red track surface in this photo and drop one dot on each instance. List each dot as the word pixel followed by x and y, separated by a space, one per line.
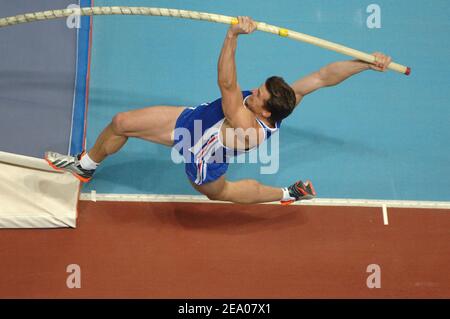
pixel 166 250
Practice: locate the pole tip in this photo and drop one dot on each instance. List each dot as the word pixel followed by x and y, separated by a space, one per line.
pixel 408 71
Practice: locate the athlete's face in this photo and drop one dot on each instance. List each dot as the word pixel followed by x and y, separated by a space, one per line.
pixel 257 101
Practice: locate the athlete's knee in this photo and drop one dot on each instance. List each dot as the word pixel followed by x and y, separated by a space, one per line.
pixel 234 194
pixel 222 195
pixel 120 122
pixel 216 196
pixel 213 193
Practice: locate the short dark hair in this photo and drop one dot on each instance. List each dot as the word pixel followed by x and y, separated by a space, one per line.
pixel 282 99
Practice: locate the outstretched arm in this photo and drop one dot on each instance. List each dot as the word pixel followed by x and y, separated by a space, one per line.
pixel 227 75
pixel 335 73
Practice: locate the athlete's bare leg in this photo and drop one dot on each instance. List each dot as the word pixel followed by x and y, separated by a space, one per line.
pixel 241 192
pixel 154 124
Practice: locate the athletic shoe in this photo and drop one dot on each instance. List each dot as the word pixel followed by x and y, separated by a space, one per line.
pixel 300 191
pixel 69 164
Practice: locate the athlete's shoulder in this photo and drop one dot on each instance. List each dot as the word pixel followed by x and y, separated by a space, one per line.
pixel 246 93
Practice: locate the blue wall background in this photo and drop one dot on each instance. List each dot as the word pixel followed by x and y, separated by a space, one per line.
pixel 375 136
pixel 37 80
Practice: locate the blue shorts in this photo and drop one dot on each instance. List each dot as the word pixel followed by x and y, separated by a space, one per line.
pixel 198 172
